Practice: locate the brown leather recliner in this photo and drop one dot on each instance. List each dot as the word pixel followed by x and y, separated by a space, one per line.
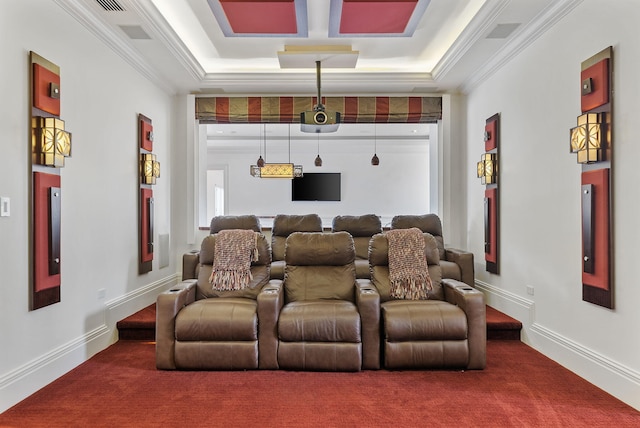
pixel 456 264
pixel 201 328
pixel 361 228
pixel 320 326
pixel 283 226
pixel 446 331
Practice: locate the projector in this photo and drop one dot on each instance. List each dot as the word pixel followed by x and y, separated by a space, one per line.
pixel 319 121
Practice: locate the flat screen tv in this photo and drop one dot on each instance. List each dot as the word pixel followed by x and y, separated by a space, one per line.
pixel 318 186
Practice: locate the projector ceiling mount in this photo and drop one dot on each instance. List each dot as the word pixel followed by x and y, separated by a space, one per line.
pixel 319 120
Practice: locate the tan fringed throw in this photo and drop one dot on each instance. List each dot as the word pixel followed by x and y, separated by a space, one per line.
pixel 408 271
pixel 234 251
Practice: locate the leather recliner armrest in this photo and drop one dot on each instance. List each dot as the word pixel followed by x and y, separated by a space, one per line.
pixel 464 259
pixel 368 302
pixel 270 302
pixel 471 301
pixel 190 263
pixel 168 304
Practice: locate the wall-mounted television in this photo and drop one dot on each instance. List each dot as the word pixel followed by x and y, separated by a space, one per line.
pixel 316 186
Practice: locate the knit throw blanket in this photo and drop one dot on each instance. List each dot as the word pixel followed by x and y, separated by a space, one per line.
pixel 233 253
pixel 408 271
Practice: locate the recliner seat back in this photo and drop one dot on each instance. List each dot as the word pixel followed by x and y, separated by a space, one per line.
pixel 319 266
pixel 283 226
pixel 259 270
pixel 427 223
pixel 379 261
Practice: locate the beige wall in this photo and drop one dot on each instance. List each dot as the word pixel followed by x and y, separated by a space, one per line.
pixel 101 98
pixel 537 96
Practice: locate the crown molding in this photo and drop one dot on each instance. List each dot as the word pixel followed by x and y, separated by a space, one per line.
pixel 538 26
pixel 251 82
pixel 165 33
pixel 478 26
pixel 116 42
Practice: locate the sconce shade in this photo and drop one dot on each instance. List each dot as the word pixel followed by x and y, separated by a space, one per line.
pixel 276 170
pixel 51 143
pixel 487 168
pixel 588 138
pixel 150 168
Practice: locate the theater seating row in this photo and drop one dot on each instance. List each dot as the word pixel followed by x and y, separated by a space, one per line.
pixel 319 316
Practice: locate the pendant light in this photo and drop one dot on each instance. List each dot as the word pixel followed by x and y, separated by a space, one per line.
pixel 276 170
pixel 260 161
pixel 375 161
pixel 318 161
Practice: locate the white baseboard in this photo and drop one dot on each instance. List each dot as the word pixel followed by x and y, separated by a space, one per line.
pixel 23 381
pixel 611 376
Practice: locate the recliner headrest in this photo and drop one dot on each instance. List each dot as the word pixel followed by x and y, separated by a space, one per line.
pixel 284 224
pixel 317 248
pixel 361 225
pixel 250 222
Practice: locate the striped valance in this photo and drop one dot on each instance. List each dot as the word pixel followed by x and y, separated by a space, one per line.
pixel 288 109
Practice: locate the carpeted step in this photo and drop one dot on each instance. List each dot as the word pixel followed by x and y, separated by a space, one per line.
pixel 139 326
pixel 142 325
pixel 501 326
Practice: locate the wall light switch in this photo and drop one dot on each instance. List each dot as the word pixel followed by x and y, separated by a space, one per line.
pixel 5 207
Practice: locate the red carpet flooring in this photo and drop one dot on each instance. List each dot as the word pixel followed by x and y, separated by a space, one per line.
pixel 120 387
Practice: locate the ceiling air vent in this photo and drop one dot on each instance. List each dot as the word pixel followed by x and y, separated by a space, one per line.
pixel 111 5
pixel 502 31
pixel 135 32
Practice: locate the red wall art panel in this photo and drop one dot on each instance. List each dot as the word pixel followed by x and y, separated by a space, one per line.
pixel 487 170
pixel 46 239
pixel 146 133
pixel 149 171
pixel 596 225
pixel 46 89
pixel 49 144
pixel 146 230
pixel 594 92
pixel 491 229
pixel 592 141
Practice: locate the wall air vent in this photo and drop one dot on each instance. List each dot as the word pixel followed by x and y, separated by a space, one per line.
pixel 110 5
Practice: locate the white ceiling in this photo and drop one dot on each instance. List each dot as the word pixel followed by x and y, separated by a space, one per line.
pixel 454 46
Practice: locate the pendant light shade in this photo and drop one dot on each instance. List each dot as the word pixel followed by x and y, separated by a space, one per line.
pixel 318 161
pixel 375 161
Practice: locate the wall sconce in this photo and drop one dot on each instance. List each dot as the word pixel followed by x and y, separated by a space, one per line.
pixel 51 143
pixel 487 168
pixel 588 138
pixel 150 168
pixel 276 170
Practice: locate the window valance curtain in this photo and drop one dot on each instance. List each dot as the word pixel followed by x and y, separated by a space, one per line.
pixel 288 109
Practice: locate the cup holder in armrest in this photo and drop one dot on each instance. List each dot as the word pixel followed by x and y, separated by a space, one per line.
pixel 368 291
pixel 467 289
pixel 270 291
pixel 175 290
